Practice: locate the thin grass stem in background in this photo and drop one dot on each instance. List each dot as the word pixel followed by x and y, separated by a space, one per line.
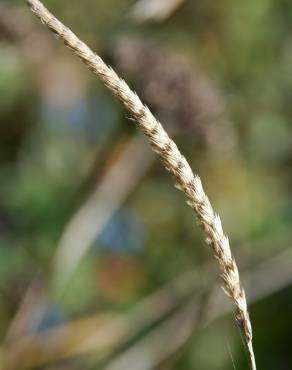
pixel 100 333
pixel 158 10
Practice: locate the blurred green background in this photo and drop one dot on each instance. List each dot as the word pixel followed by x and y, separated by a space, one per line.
pixel 91 225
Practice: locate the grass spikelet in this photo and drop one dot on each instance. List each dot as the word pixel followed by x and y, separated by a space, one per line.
pixel 172 160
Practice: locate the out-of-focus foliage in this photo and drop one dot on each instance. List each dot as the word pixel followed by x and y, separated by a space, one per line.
pixel 230 65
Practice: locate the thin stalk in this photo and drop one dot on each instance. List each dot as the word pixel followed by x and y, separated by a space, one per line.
pixel 172 160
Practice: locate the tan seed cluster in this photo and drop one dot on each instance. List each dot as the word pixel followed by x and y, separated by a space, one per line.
pixel 173 161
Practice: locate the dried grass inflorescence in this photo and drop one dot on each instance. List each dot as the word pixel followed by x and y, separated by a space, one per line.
pixel 173 161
